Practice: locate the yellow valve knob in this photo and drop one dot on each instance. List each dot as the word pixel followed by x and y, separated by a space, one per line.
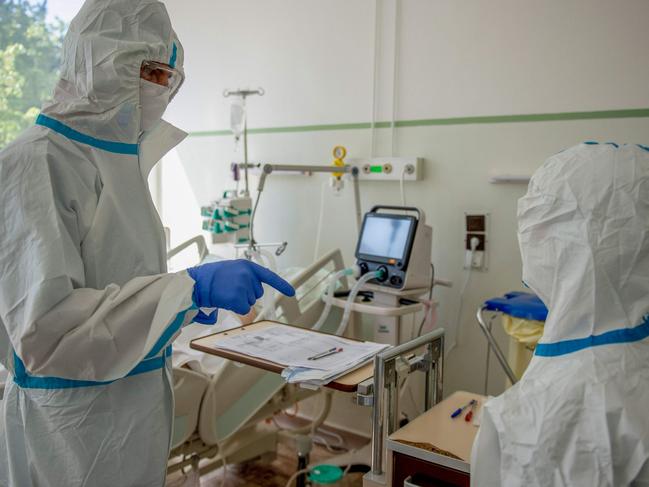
pixel 339 153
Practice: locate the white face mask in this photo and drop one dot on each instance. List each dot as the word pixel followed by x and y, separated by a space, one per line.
pixel 154 99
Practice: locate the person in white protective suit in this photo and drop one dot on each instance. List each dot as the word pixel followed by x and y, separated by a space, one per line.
pixel 580 414
pixel 87 309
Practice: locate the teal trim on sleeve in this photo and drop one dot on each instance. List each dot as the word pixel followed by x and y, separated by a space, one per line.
pixel 26 381
pixel 70 133
pixel 171 330
pixel 154 360
pixel 174 56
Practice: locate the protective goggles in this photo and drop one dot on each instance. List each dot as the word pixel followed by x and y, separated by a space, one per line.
pixel 161 74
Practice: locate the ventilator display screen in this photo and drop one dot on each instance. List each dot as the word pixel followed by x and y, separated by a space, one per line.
pixel 386 237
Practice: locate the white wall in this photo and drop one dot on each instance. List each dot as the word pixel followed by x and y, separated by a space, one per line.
pixel 454 59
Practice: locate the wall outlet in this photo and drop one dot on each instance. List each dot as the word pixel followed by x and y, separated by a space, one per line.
pixel 476 262
pixel 478 257
pixel 476 225
pixel 388 168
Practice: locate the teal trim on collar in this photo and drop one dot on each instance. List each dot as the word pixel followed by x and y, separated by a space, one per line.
pixel 70 133
pixel 174 56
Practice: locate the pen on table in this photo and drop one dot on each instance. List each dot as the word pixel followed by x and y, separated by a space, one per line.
pixel 458 411
pixel 469 415
pixel 326 353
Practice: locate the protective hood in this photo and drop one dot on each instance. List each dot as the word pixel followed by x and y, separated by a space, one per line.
pixel 583 229
pixel 98 92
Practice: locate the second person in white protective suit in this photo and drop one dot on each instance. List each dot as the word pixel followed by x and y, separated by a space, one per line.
pixel 87 308
pixel 579 417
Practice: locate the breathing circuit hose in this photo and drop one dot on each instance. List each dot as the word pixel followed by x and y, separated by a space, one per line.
pixel 333 280
pixel 351 271
pixel 352 297
pixel 268 311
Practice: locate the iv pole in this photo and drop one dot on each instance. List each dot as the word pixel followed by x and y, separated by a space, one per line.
pixel 267 169
pixel 245 93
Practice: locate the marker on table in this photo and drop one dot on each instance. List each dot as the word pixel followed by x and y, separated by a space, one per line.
pixel 325 353
pixel 469 415
pixel 458 411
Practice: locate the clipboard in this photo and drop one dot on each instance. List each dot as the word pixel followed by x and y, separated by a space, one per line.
pixel 346 383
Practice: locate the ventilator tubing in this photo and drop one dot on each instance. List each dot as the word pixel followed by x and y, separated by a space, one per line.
pixel 333 280
pixel 268 310
pixel 352 297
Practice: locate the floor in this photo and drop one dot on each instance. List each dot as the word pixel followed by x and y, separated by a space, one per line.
pixel 275 473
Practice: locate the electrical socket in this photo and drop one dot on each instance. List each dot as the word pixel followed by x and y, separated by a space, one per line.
pixel 478 257
pixel 476 262
pixel 481 240
pixel 476 226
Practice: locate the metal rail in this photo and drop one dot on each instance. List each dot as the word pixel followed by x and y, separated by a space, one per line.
pixel 268 169
pixel 494 345
pixel 386 383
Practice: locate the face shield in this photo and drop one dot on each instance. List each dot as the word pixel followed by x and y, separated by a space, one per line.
pixel 162 74
pixel 158 84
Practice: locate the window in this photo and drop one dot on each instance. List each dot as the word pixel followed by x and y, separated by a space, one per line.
pixel 31 36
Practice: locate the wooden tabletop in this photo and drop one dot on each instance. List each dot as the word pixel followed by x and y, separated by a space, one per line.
pixel 435 430
pixel 209 344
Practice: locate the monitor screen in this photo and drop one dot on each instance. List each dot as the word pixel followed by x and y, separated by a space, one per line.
pixel 385 237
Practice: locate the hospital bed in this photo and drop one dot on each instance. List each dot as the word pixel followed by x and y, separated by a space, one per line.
pixel 225 416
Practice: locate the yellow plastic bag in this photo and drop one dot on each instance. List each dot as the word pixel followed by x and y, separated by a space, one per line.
pixel 527 332
pixel 525 335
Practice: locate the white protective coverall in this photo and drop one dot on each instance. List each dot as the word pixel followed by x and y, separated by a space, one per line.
pixel 580 414
pixel 87 310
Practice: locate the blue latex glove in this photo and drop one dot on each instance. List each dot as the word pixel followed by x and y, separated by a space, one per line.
pixel 204 319
pixel 234 285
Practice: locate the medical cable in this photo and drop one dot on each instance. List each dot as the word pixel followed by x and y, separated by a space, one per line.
pixel 375 74
pixel 251 233
pixel 316 251
pixel 310 428
pixel 268 309
pixel 430 299
pixel 224 464
pixel 320 440
pixel 402 388
pixel 402 185
pixel 330 294
pixel 352 297
pixel 296 475
pixel 308 470
pixel 395 76
pixel 339 438
pixel 473 243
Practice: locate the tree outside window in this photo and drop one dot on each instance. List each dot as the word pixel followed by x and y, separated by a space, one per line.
pixel 30 55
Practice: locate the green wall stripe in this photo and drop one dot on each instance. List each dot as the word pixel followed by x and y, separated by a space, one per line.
pixel 490 119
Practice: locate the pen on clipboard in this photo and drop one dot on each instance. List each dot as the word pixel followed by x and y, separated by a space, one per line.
pixel 326 353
